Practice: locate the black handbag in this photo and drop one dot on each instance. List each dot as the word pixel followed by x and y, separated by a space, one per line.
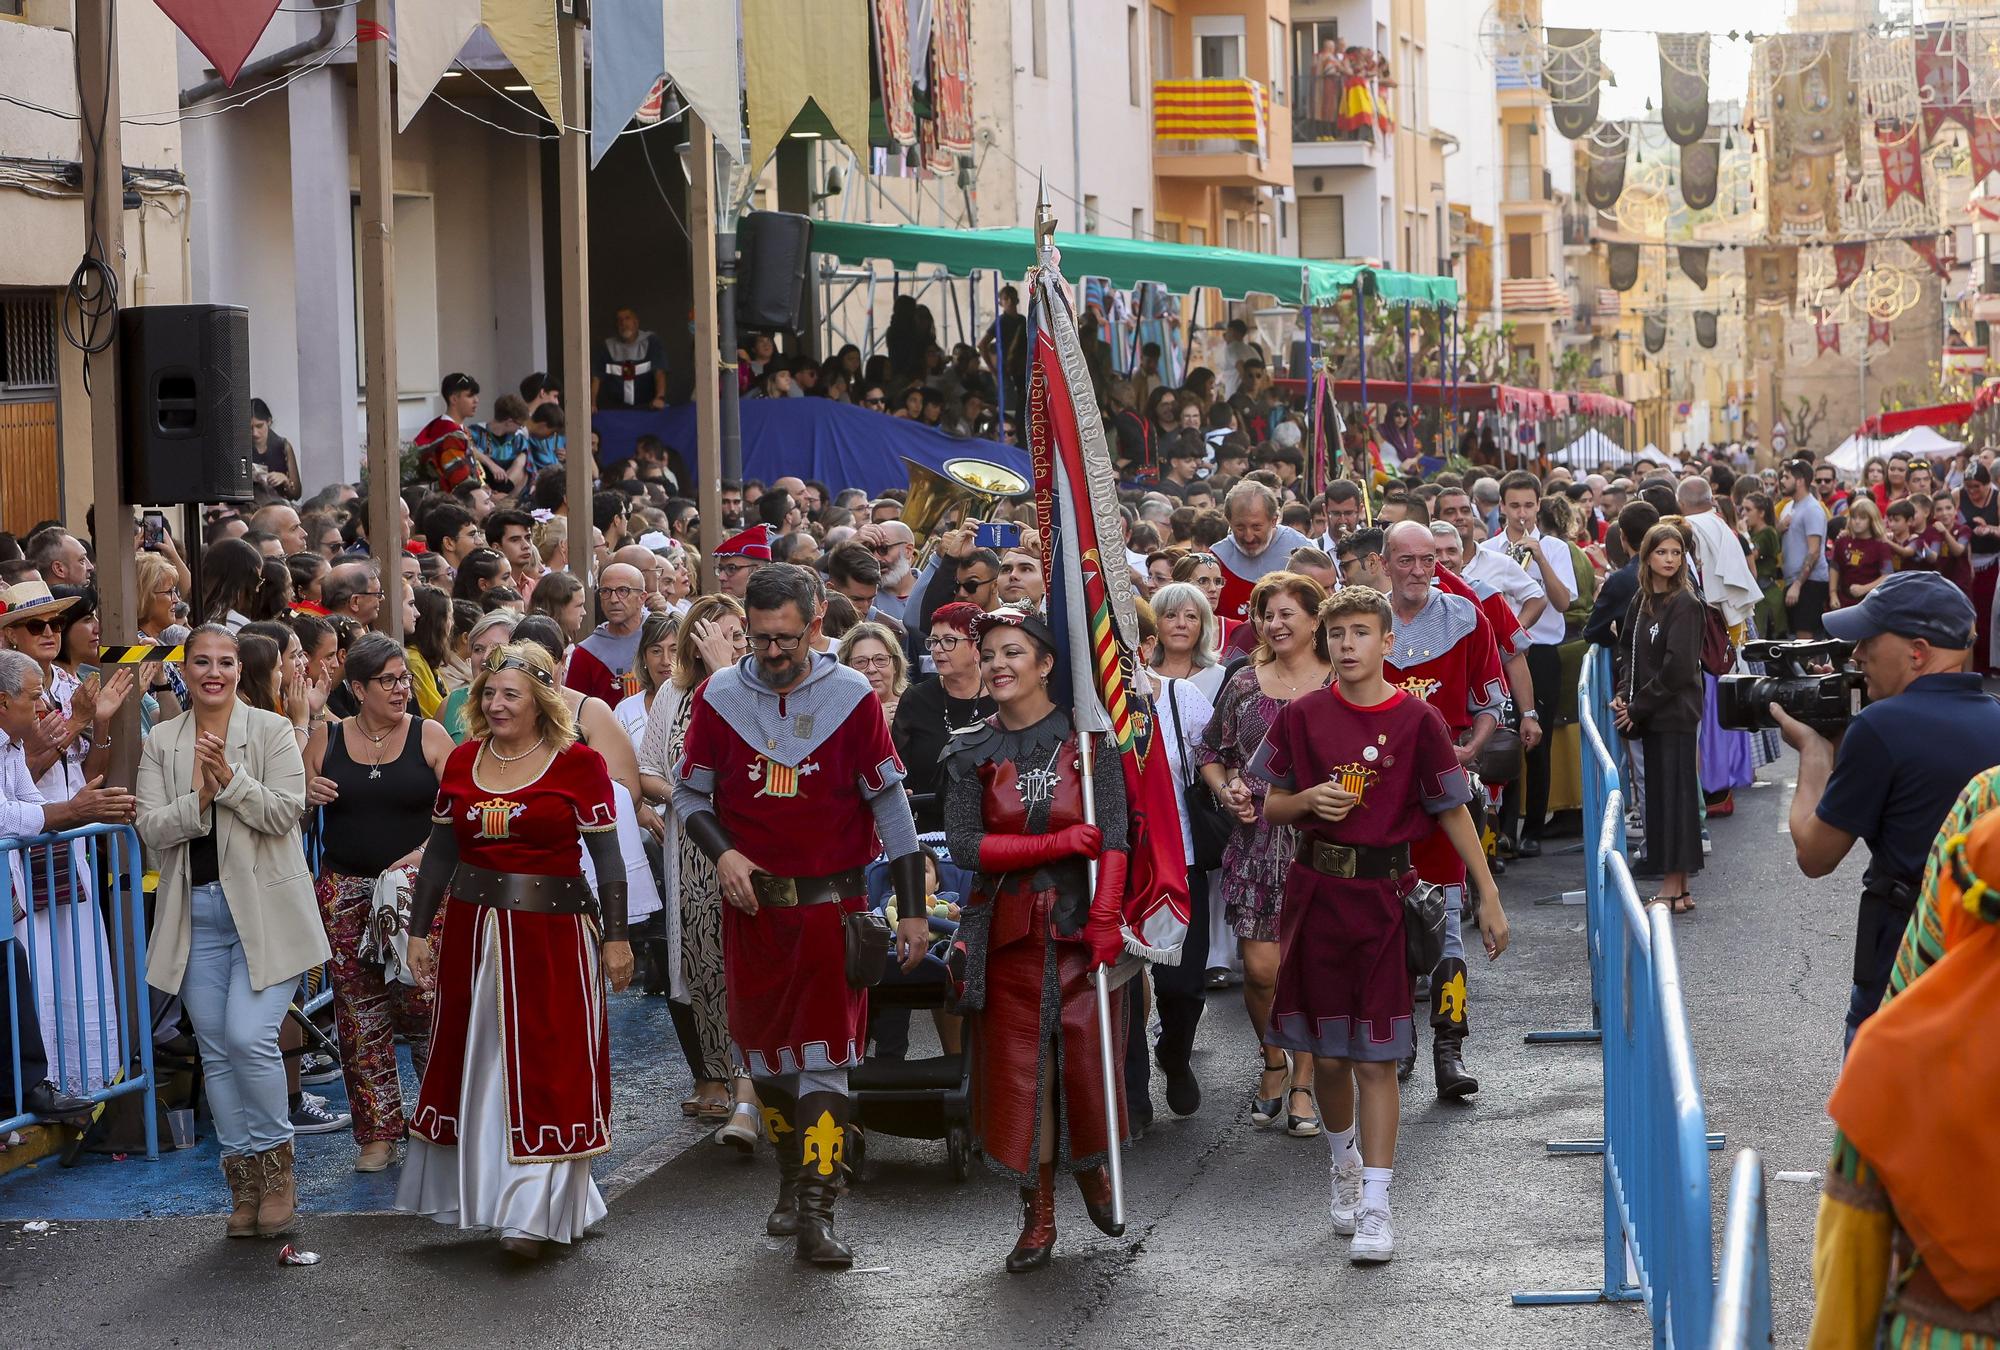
pixel 1209 825
pixel 867 936
pixel 1423 927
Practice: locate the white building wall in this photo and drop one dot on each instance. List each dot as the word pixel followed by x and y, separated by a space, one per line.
pixel 1463 103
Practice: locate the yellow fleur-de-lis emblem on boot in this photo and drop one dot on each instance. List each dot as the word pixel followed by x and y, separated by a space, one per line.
pixel 775 1124
pixel 823 1144
pixel 1451 998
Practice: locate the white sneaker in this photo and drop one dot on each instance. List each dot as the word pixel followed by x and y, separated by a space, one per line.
pixel 1374 1237
pixel 1346 1197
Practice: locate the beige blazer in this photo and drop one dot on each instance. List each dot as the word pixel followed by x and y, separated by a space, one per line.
pixel 263 863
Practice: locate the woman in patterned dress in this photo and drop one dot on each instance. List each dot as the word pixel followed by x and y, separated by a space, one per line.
pixel 1287 664
pixel 711 637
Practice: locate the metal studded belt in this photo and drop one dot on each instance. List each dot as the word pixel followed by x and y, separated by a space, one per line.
pixel 522 891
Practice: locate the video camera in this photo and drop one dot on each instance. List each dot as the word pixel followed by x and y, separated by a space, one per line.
pixel 1810 680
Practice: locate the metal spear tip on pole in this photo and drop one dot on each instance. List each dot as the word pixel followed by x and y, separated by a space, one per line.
pixel 1045 215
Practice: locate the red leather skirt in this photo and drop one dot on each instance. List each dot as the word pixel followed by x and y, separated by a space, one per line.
pixel 1040 1024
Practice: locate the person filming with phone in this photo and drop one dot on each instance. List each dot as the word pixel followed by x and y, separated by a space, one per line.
pixel 1891 775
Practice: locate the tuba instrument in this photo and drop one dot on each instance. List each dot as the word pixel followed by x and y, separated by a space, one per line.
pixel 972 486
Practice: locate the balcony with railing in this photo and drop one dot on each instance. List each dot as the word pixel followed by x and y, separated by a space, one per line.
pixel 1528 184
pixel 1340 118
pixel 1220 131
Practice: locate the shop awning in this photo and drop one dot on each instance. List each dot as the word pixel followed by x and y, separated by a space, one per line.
pixel 1937 415
pixel 1124 262
pixel 1506 398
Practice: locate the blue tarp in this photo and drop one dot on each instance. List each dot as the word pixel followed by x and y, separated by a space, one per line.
pixel 839 444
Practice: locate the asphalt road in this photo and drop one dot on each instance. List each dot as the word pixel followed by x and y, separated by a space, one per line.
pixel 1228 1242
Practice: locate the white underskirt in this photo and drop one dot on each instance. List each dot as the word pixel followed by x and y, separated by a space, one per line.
pixel 475 1185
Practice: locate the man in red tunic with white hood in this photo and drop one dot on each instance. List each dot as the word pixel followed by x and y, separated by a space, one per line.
pixel 788 780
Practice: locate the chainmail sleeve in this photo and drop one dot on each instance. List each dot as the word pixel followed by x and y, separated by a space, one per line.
pixel 1107 775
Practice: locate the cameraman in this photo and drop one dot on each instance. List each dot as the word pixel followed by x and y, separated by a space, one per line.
pixel 1928 729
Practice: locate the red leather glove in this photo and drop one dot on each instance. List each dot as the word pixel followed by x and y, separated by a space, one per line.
pixel 1103 930
pixel 1019 852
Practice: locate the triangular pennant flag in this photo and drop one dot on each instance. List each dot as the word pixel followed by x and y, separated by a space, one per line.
pixel 1985 145
pixel 1694 265
pixel 797 52
pixel 628 52
pixel 1925 246
pixel 702 63
pixel 1878 332
pixel 1827 335
pixel 1902 165
pixel 429 37
pixel 1849 262
pixel 525 32
pixel 225 31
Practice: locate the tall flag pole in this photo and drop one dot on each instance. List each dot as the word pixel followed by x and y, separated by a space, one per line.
pixel 1096 629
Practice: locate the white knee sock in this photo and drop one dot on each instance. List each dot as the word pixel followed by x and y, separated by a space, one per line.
pixel 1375 1187
pixel 1341 1144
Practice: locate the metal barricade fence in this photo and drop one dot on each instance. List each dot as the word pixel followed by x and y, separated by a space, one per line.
pixel 1658 1246
pixel 1743 1284
pixel 74 926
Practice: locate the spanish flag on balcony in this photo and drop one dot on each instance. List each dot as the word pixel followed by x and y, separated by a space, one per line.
pixel 1212 110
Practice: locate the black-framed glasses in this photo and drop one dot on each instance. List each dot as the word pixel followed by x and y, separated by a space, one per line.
pixel 619 592
pixel 389 684
pixel 943 642
pixel 784 642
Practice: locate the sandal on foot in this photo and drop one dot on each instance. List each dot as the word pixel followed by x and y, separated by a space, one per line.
pixel 1266 1110
pixel 1301 1127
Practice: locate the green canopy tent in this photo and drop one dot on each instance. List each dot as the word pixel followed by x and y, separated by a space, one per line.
pixel 1126 262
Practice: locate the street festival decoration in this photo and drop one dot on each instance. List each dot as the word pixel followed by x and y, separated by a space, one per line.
pixel 797 52
pixel 1684 86
pixel 951 75
pixel 893 77
pixel 1604 174
pixel 1571 72
pixel 1096 629
pixel 1827 336
pixel 1704 327
pixel 525 31
pixel 1770 277
pixel 429 38
pixel 1878 331
pixel 1926 247
pixel 1701 169
pixel 702 62
pixel 1944 76
pixel 1902 163
pixel 628 50
pixel 1655 329
pixel 225 31
pixel 1622 266
pixel 1694 264
pixel 1812 115
pixel 1984 145
pixel 1848 262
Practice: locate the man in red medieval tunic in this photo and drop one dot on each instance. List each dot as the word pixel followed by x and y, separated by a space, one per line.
pixel 790 783
pixel 1443 653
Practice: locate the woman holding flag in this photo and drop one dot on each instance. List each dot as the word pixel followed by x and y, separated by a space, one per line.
pixel 1035 929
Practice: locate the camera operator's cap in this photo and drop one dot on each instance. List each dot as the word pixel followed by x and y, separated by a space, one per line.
pixel 1908 604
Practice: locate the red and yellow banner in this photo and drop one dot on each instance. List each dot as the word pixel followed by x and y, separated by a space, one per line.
pixel 1210 110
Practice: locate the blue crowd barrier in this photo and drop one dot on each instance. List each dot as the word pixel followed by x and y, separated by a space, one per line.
pixel 1658 1245
pixel 84 941
pixel 1743 1284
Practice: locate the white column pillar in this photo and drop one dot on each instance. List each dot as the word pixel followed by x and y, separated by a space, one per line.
pixel 327 437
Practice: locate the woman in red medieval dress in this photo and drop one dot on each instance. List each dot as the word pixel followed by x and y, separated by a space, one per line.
pixel 1034 929
pixel 516 1098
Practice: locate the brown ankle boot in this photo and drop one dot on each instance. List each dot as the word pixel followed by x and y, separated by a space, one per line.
pixel 246 1189
pixel 280 1202
pixel 1038 1224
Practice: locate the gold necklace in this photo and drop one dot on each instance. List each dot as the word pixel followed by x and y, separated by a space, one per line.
pixel 375 768
pixel 494 751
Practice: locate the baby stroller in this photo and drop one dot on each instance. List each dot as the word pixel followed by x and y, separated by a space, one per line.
pixel 913 1098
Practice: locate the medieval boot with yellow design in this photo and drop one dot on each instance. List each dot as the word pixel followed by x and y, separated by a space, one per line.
pixel 781 1120
pixel 1448 1030
pixel 822 1117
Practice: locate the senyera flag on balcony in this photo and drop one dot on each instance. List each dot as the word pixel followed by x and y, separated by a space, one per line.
pixel 1211 110
pixel 1091 613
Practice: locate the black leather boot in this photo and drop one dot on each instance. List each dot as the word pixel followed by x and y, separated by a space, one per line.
pixel 1449 1024
pixel 781 1126
pixel 822 1122
pixel 1453 1082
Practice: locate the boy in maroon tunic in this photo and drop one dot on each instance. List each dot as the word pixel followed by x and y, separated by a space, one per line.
pixel 1364 771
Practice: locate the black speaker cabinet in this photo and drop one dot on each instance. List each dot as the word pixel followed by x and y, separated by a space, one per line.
pixel 773 253
pixel 185 378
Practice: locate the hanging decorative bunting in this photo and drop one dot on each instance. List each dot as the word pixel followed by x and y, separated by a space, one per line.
pixel 1704 327
pixel 1767 337
pixel 1655 332
pixel 1623 266
pixel 1827 335
pixel 951 74
pixel 1849 261
pixel 1926 247
pixel 1902 165
pixel 797 52
pixel 702 63
pixel 1812 118
pixel 1604 172
pixel 429 38
pixel 525 32
pixel 1944 77
pixel 1701 165
pixel 1694 264
pixel 1684 86
pixel 628 49
pixel 1985 146
pixel 225 31
pixel 1771 276
pixel 1878 331
pixel 1571 71
pixel 893 78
